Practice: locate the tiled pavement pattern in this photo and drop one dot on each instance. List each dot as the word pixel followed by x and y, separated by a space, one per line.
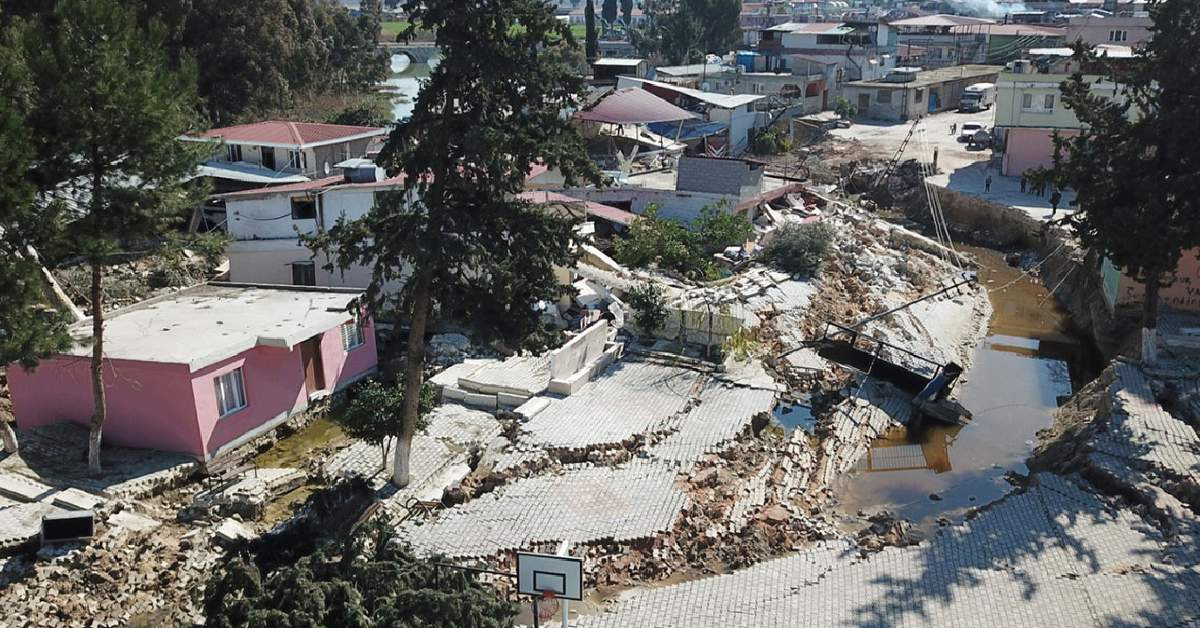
pixel 584 503
pixel 447 441
pixel 856 422
pixel 721 414
pixel 1050 556
pixel 526 375
pixel 630 398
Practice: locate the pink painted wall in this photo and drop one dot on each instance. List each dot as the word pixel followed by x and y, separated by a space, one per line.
pixel 149 404
pixel 1027 149
pixel 1183 295
pixel 274 382
pixel 163 406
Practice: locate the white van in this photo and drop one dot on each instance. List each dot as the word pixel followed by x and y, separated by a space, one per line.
pixel 978 97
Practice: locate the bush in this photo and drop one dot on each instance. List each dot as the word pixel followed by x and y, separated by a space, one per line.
pixel 845 109
pixel 375 410
pixel 649 305
pixel 799 249
pixel 771 142
pixel 671 245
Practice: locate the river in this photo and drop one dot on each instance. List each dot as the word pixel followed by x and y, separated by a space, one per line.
pixel 1031 360
pixel 404 83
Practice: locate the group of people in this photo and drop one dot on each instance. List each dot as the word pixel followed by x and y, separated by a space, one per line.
pixel 1039 189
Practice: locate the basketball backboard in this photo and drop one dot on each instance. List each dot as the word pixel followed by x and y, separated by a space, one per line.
pixel 561 575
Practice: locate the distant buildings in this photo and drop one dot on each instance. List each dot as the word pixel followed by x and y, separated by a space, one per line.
pixel 906 93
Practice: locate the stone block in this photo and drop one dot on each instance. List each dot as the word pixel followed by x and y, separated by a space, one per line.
pixel 23 489
pixel 75 499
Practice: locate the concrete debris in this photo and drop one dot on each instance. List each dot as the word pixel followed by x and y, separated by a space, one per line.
pixel 449 349
pixel 231 532
pixel 246 496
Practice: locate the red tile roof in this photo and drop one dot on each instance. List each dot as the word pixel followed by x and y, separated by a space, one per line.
pixel 281 132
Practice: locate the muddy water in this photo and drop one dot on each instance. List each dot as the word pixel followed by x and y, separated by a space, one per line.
pixel 1030 361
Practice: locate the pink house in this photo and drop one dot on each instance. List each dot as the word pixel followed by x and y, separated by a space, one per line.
pixel 206 369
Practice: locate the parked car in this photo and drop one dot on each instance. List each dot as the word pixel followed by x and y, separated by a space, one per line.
pixel 968 131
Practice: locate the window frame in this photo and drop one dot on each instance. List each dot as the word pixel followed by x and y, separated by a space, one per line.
pixel 304 201
pixel 312 268
pixel 350 331
pixel 237 386
pixel 883 96
pixel 297 160
pixel 1048 102
pixel 234 152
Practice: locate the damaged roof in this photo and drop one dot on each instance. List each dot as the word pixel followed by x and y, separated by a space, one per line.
pixel 633 106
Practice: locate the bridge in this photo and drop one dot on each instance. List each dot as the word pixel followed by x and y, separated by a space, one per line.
pixel 417 52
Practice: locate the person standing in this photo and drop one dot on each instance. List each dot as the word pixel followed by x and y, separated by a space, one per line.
pixel 1055 199
pixel 1024 184
pixel 935 151
pixel 987 184
pixel 953 128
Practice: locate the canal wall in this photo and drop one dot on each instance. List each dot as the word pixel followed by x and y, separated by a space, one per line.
pixel 1071 274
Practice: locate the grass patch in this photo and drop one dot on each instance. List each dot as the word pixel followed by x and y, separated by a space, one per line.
pixel 395 27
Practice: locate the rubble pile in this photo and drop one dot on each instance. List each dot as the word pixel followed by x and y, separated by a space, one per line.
pixel 131 572
pixel 445 350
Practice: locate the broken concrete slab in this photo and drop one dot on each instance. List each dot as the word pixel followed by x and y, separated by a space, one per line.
pixel 75 499
pixel 630 398
pixel 721 414
pixel 583 503
pixel 230 532
pixel 128 521
pixel 23 489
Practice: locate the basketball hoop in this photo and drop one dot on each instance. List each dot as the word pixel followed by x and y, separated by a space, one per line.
pixel 547 607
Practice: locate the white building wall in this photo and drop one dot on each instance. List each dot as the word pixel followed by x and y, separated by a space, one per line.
pixel 265 218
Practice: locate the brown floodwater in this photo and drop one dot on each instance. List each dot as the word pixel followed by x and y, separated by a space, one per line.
pixel 1031 361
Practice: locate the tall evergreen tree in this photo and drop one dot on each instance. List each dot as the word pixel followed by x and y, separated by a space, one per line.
pixel 592 43
pixel 458 236
pixel 1135 164
pixel 27 331
pixel 627 12
pixel 608 11
pixel 109 108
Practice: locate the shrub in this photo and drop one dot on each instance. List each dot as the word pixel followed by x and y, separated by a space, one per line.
pixel 771 142
pixel 845 109
pixel 670 245
pixel 717 229
pixel 374 412
pixel 799 249
pixel 649 305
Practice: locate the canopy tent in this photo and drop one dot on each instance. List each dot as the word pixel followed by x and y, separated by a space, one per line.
pixel 633 106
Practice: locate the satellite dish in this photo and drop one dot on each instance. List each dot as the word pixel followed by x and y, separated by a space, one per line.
pixel 327 168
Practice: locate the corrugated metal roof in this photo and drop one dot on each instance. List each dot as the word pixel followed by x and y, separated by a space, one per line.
pixel 805 27
pixel 633 106
pixel 724 101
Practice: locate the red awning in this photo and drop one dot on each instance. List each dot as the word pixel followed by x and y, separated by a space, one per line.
pixel 633 106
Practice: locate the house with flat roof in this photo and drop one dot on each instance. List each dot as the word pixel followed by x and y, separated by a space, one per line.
pixel 204 370
pixel 265 224
pixel 277 152
pixel 906 93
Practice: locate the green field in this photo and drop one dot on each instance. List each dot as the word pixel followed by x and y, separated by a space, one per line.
pixel 391 28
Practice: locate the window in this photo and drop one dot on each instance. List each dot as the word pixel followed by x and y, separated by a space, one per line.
pixel 304 208
pixel 231 392
pixel 297 160
pixel 1027 101
pixel 304 274
pixel 352 335
pixel 884 96
pixel 1049 104
pixel 1118 35
pixel 919 96
pixel 235 152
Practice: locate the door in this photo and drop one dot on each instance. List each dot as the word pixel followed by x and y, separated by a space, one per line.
pixel 268 157
pixel 935 101
pixel 314 371
pixel 864 104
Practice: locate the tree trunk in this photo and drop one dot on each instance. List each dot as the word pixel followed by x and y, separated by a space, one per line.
pixel 101 407
pixel 1150 320
pixel 414 372
pixel 9 437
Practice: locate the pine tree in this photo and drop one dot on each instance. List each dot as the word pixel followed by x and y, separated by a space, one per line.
pixel 608 12
pixel 627 12
pixel 108 107
pixel 592 42
pixel 1134 163
pixel 458 236
pixel 28 331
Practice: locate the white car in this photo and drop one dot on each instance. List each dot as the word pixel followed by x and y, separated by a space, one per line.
pixel 968 130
